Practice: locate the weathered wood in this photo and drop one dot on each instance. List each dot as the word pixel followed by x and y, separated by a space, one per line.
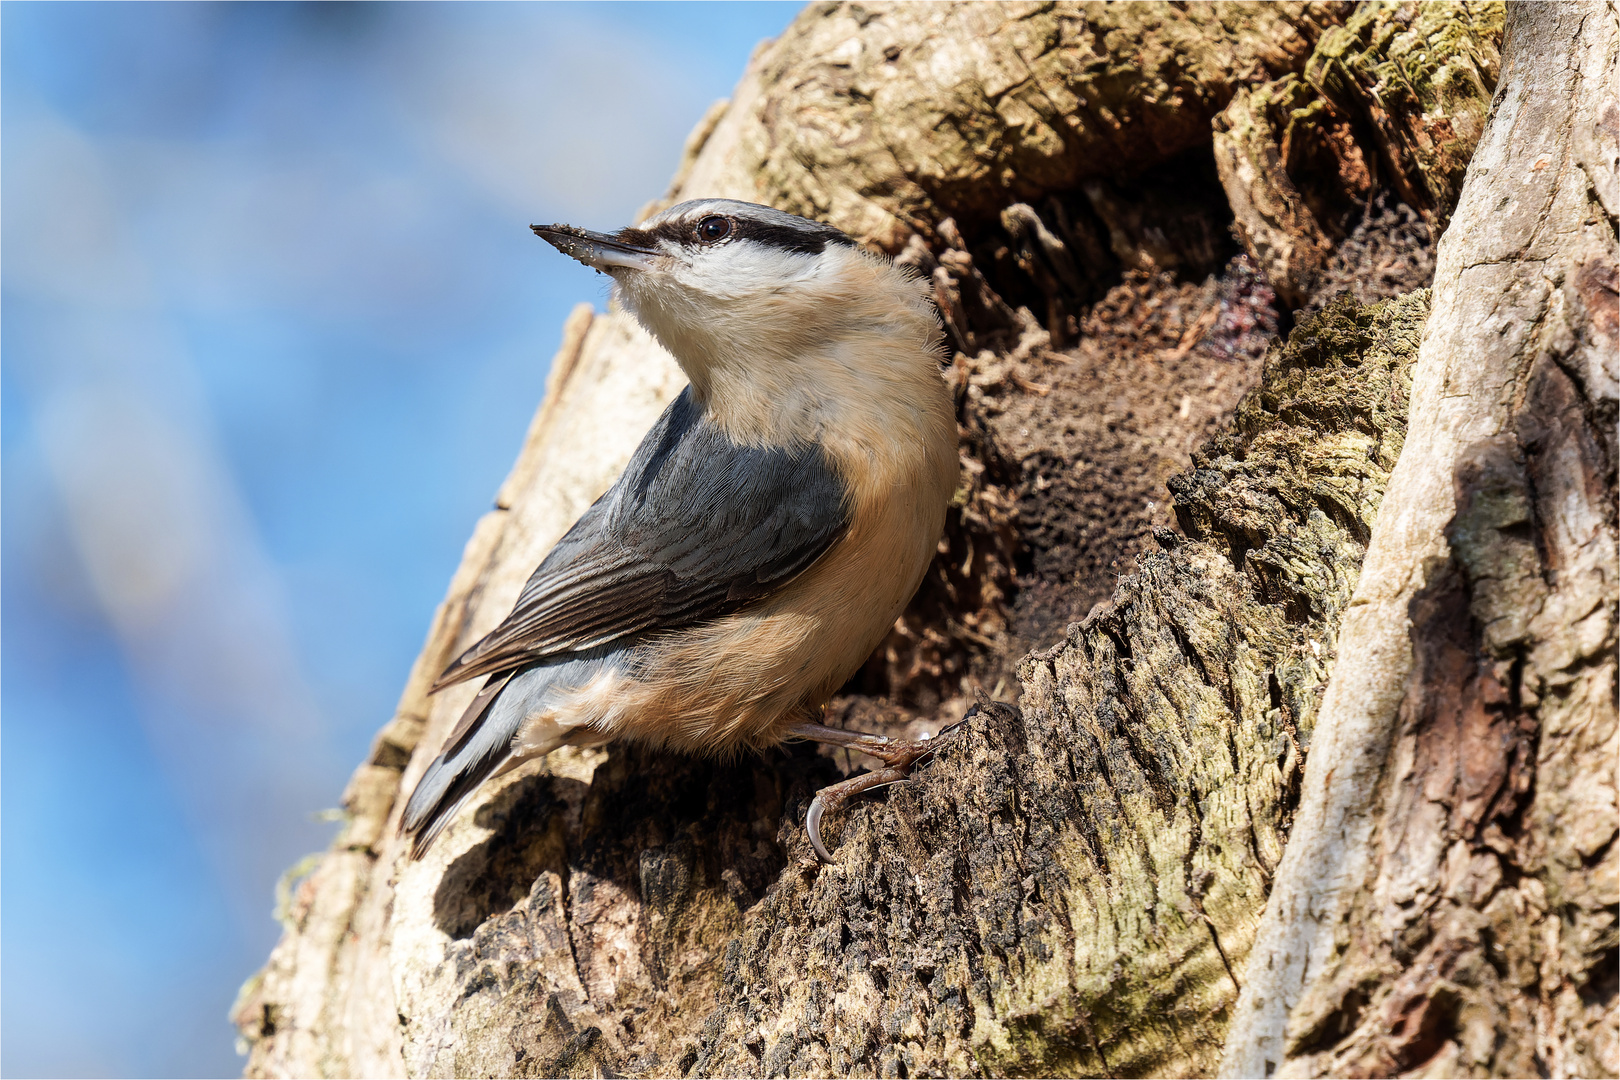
pixel 328 1003
pixel 1073 889
pixel 886 118
pixel 1447 902
pixel 1395 98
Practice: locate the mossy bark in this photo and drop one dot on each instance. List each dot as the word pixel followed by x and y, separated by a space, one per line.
pixel 1074 888
pixel 1396 97
pixel 1449 900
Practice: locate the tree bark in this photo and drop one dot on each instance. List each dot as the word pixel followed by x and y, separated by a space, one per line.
pixel 1077 885
pixel 1291 160
pixel 1447 900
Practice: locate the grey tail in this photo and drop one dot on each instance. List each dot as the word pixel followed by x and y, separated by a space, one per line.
pixel 471 755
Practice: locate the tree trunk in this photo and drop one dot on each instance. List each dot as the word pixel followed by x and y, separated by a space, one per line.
pixel 1447 900
pixel 1171 687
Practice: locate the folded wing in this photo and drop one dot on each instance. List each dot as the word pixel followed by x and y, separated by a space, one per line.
pixel 696 528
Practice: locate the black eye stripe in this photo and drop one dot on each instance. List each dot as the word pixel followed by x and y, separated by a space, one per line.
pixel 803 236
pixel 811 238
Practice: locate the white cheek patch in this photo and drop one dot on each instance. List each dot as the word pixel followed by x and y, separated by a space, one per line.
pixel 743 268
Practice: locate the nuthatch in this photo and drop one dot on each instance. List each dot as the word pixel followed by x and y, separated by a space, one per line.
pixel 766 533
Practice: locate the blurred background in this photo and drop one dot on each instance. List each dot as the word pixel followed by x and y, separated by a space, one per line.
pixel 273 328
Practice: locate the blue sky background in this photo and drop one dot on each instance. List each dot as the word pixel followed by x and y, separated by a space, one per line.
pixel 273 327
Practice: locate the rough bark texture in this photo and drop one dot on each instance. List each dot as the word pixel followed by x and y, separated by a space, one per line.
pixel 1396 97
pixel 993 915
pixel 1447 903
pixel 897 116
pixel 1076 885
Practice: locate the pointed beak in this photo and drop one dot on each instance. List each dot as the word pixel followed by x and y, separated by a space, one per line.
pixel 599 251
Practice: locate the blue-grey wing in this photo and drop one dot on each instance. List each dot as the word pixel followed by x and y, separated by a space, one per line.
pixel 696 528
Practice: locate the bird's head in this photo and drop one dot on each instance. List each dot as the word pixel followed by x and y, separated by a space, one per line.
pixel 715 274
pixel 763 309
pixel 718 248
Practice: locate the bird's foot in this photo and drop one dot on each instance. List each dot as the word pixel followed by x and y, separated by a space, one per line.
pixel 899 757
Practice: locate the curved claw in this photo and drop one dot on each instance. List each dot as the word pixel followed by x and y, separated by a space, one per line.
pixel 899 756
pixel 812 825
pixel 839 794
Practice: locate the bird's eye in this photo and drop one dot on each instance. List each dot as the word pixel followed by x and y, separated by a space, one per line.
pixel 713 229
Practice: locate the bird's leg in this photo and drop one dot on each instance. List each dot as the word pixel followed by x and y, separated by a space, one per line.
pixel 835 796
pixel 899 756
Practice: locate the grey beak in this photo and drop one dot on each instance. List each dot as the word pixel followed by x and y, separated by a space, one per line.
pixel 599 251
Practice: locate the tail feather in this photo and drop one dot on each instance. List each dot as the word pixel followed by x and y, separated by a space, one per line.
pixel 435 821
pixel 481 746
pixel 472 754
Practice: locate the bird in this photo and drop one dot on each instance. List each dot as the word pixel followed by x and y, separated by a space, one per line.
pixel 763 538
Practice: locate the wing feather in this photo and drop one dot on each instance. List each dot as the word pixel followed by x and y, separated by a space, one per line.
pixel 696 528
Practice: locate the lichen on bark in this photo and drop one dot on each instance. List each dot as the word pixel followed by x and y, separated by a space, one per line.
pixel 1449 903
pixel 1421 76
